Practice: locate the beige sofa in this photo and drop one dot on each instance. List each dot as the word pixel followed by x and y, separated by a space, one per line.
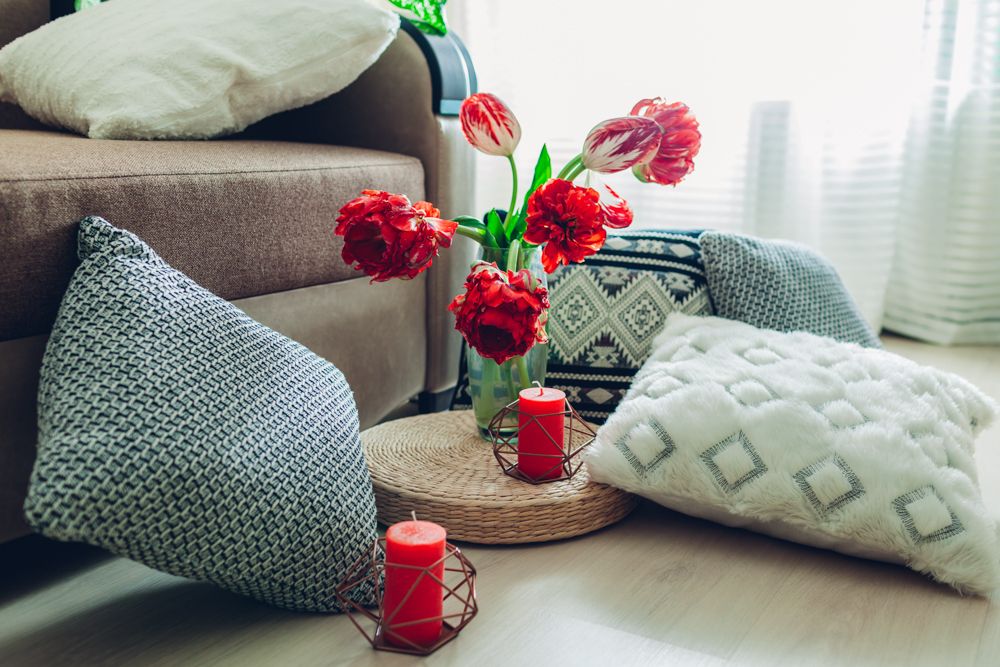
pixel 249 217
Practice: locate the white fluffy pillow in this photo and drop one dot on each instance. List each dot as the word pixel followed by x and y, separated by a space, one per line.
pixel 811 440
pixel 184 69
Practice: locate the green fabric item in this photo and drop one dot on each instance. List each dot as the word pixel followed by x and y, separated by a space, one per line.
pixel 428 15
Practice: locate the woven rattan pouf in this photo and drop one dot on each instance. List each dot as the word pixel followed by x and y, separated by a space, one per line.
pixel 437 466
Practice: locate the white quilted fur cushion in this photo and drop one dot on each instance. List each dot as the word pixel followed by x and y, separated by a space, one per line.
pixel 815 441
pixel 148 69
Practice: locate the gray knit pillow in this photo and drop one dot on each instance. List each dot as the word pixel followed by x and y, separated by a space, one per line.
pixel 177 431
pixel 782 286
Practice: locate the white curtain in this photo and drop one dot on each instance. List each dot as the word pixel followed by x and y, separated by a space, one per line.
pixel 945 284
pixel 806 111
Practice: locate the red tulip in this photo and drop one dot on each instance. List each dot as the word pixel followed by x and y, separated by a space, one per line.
pixel 502 314
pixel 679 144
pixel 619 143
pixel 568 219
pixel 390 238
pixel 489 125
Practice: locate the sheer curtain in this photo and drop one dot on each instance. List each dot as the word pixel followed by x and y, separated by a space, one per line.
pixel 945 284
pixel 806 110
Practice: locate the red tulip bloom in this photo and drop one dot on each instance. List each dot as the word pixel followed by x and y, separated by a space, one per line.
pixel 621 143
pixel 390 238
pixel 489 125
pixel 679 144
pixel 568 219
pixel 502 314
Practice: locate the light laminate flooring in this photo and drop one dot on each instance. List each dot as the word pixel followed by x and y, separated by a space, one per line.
pixel 657 589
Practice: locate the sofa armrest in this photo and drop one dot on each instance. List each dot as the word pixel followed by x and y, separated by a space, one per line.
pixel 408 103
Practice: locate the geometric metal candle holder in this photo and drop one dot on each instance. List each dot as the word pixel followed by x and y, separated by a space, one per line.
pixel 458 590
pixel 577 436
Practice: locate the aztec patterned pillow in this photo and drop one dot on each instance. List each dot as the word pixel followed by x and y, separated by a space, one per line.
pixel 607 311
pixel 782 286
pixel 810 440
pixel 177 431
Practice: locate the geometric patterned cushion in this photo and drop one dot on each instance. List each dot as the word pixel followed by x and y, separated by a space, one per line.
pixel 176 431
pixel 781 286
pixel 606 312
pixel 811 440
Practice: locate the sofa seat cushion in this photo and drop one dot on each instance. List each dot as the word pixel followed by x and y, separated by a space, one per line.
pixel 242 218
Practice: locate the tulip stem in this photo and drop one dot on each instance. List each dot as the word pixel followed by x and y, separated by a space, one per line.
pixel 522 371
pixel 486 400
pixel 578 169
pixel 477 235
pixel 570 166
pixel 508 223
pixel 512 255
pixel 509 367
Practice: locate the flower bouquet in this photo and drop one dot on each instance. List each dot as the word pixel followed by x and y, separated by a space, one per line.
pixel 503 312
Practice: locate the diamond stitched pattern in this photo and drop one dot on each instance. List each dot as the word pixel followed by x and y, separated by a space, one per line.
pixel 926 517
pixel 829 484
pixel 851 442
pixel 651 428
pixel 734 462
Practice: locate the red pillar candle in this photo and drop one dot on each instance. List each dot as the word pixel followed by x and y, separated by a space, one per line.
pixel 411 546
pixel 541 420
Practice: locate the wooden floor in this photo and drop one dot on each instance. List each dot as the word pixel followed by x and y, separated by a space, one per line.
pixel 657 589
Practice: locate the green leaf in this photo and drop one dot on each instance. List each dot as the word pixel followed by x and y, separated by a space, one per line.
pixel 495 227
pixel 543 172
pixel 84 4
pixel 520 224
pixel 427 15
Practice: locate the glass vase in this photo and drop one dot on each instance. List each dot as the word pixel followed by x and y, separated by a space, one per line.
pixel 492 386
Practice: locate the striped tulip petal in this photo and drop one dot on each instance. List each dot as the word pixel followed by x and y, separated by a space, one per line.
pixel 616 211
pixel 619 143
pixel 489 125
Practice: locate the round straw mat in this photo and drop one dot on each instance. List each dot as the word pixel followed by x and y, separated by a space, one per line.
pixel 437 466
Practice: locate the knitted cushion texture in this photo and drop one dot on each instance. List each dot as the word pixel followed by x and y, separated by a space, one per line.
pixel 782 286
pixel 177 431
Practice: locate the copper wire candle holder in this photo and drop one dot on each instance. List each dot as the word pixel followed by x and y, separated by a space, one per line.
pixel 577 436
pixel 458 587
